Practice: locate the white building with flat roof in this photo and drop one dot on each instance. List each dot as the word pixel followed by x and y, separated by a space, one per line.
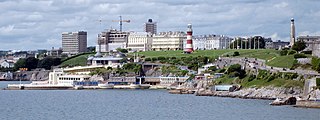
pixel 169 40
pixel 210 42
pixel 140 41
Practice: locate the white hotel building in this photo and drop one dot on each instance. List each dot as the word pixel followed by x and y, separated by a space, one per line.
pixel 168 41
pixel 210 42
pixel 140 41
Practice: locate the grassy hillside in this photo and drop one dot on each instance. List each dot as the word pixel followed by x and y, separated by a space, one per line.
pixel 262 53
pixel 80 60
pixel 272 56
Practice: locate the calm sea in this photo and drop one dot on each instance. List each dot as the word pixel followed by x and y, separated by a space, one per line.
pixel 137 105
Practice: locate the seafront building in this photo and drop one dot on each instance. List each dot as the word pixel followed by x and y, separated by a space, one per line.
pixel 74 42
pixel 140 41
pixel 309 40
pixel 168 41
pixel 210 42
pixel 111 40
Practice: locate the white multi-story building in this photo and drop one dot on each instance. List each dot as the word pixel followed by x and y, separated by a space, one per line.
pixel 217 42
pixel 168 41
pixel 140 41
pixel 74 42
pixel 210 42
pixel 198 43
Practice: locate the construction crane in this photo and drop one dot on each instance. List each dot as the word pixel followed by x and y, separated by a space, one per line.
pixel 120 22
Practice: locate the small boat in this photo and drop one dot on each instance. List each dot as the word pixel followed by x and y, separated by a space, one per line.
pixel 106 86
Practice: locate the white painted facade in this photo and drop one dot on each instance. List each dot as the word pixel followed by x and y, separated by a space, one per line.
pixel 168 41
pixel 140 41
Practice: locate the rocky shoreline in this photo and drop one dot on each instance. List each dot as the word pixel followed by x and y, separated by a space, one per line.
pixel 267 93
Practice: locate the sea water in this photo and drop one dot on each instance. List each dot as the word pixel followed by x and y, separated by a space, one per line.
pixel 138 104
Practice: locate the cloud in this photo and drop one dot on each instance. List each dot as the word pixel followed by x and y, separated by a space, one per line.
pixel 73 22
pixel 6 29
pixel 281 5
pixel 34 17
pixel 39 23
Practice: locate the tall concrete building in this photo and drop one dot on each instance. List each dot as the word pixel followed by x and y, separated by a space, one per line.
pixel 292 33
pixel 74 42
pixel 150 26
pixel 111 40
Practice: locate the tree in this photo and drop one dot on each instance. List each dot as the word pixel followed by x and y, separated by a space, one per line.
pixel 299 46
pixel 21 63
pixel 48 62
pixel 31 63
pixel 122 50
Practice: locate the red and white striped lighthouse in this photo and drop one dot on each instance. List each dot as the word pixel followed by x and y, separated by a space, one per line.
pixel 189 46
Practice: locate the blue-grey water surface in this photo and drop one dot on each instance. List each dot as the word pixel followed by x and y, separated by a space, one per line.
pixel 138 104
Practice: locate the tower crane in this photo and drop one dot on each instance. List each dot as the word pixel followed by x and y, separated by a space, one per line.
pixel 120 22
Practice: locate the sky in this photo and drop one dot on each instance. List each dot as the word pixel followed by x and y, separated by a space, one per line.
pixel 38 24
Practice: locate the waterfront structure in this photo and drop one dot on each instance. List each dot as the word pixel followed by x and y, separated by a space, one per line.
pixel 106 61
pixel 111 40
pixel 140 41
pixel 168 41
pixel 74 42
pixel 292 33
pixel 150 27
pixel 189 47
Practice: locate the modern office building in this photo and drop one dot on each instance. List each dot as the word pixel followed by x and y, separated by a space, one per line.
pixel 140 41
pixel 150 26
pixel 74 42
pixel 111 40
pixel 169 40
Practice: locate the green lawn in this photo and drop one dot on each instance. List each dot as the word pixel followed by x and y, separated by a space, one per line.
pixel 282 61
pixel 262 53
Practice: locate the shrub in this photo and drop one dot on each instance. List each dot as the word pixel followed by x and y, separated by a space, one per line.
pixel 236 53
pixel 221 70
pixel 154 59
pixel 292 52
pixel 251 77
pixel 147 59
pixel 161 58
pixel 299 55
pixel 283 52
